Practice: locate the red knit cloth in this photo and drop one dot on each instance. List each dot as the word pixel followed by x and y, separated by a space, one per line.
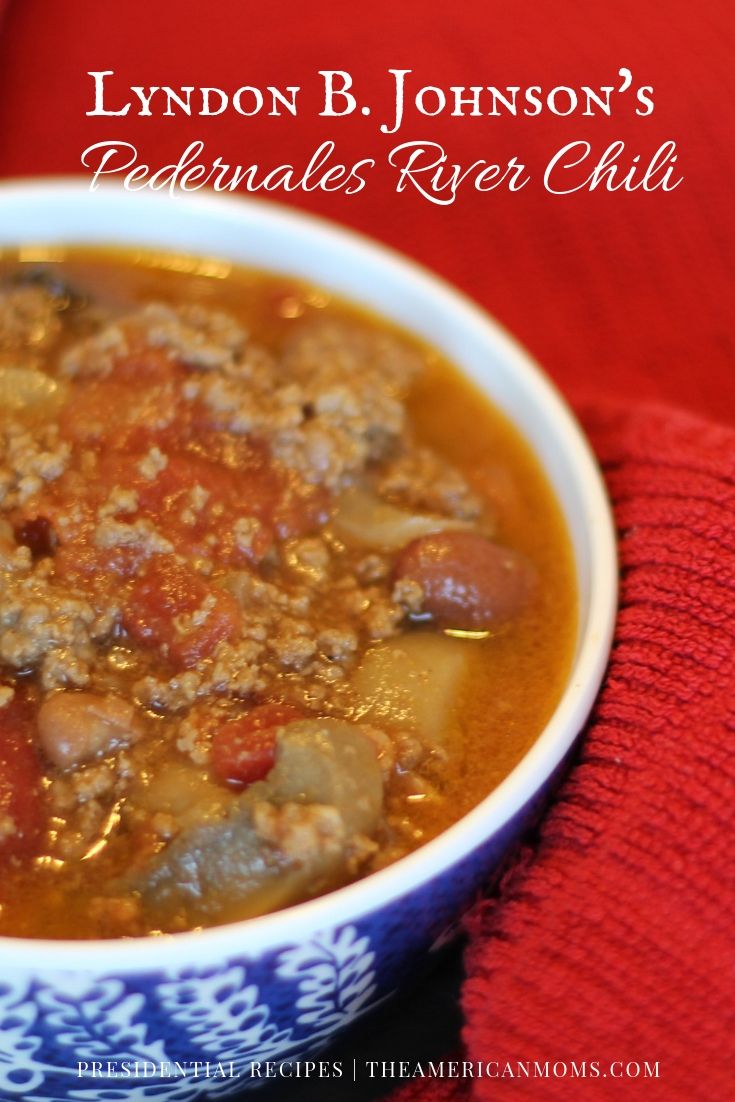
pixel 615 939
pixel 611 939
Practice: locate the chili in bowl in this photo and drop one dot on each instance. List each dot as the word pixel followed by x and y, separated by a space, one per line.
pixel 306 588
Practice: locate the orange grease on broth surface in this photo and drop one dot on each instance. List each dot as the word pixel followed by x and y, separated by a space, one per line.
pixel 515 677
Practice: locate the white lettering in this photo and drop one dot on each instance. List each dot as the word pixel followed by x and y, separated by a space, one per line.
pixel 173 97
pixel 99 94
pixel 461 99
pixel 424 166
pixel 399 77
pixel 145 99
pixel 257 97
pixel 330 93
pixel 608 172
pixel 223 101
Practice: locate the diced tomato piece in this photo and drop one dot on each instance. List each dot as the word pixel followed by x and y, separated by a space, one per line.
pixel 203 497
pixel 244 750
pixel 22 805
pixel 240 758
pixel 145 367
pixel 301 509
pixel 175 611
pixel 228 496
pixel 83 561
pixel 125 405
pixel 109 410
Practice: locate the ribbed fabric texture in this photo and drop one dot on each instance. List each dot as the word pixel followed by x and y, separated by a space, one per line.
pixel 613 937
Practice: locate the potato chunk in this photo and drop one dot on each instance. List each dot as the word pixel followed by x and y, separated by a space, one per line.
pixel 26 390
pixel 364 520
pixel 411 683
pixel 291 836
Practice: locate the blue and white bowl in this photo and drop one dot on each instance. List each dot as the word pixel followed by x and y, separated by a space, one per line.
pixel 129 1019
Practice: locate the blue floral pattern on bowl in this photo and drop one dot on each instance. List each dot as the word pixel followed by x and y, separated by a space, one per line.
pixel 283 1005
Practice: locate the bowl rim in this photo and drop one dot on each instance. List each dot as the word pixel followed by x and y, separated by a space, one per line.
pixel 254 936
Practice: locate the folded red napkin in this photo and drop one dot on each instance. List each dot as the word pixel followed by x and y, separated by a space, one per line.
pixel 611 941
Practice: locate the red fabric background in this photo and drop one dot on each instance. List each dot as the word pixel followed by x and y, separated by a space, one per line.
pixel 622 294
pixel 613 939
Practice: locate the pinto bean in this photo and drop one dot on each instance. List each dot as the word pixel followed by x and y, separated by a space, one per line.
pixel 468 582
pixel 75 727
pixel 411 684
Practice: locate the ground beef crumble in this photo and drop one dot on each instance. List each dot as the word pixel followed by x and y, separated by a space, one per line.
pixel 418 478
pixel 28 319
pixel 329 408
pixel 28 458
pixel 45 625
